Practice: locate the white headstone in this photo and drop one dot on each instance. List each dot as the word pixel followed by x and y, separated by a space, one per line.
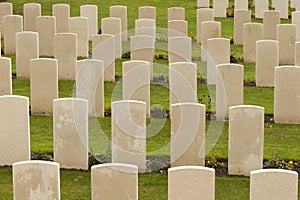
pixel 203 14
pixel 145 27
pixel 176 13
pixel 296 21
pixel 5 9
pixel 30 12
pixel 260 7
pixel 5 76
pixel 209 29
pixel 240 18
pixel 180 49
pixel 240 4
pixel 62 15
pixel 177 28
pixel 46 27
pixel 286 35
pixel 121 13
pixel 12 24
pixel 147 12
pixel 90 12
pixel 220 8
pixel 252 33
pixel 270 21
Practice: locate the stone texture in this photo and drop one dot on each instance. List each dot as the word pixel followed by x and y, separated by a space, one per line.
pixel 62 15
pixel 129 133
pixel 147 12
pixel 182 54
pixel 30 11
pixel 267 58
pixel 220 8
pixel 14 129
pixel 240 18
pixel 80 26
pixel 46 27
pixel 90 12
pixel 177 28
pixel 286 35
pixel 240 4
pixel 112 177
pixel 187 134
pixel 70 129
pixel 270 21
pixel 191 182
pixel 5 9
pixel 12 24
pixel 203 14
pixel 43 85
pixel 24 41
pixel 36 180
pixel 65 51
pixel 121 13
pixel 229 88
pixel 5 76
pixel 176 13
pixel 209 30
pixel 246 139
pixel 90 85
pixel 273 184
pixel 282 6
pixel 260 7
pixel 202 3
pixel 297 53
pixel 286 95
pixel 103 48
pixel 145 27
pixel 296 21
pixel 252 33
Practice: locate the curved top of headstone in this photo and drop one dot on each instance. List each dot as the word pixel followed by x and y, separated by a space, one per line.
pixel 260 171
pixel 70 99
pixel 232 65
pixel 183 63
pixel 89 5
pixel 188 104
pixel 191 168
pixel 36 162
pixel 25 33
pixel 22 98
pixel 64 34
pixel 61 5
pixel 287 67
pixel 246 106
pixel 118 6
pixel 128 168
pixel 44 60
pixel 128 102
pixel 268 41
pixel 32 4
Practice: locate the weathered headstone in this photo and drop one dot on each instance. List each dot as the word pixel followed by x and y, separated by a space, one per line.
pixel 252 33
pixel 286 35
pixel 70 129
pixel 209 29
pixel 145 27
pixel 246 139
pixel 203 14
pixel 90 12
pixel 12 24
pixel 220 8
pixel 260 7
pixel 147 12
pixel 62 15
pixel 283 6
pixel 240 4
pixel 270 21
pixel 296 21
pixel 121 13
pixel 202 3
pixel 5 9
pixel 176 13
pixel 182 54
pixel 240 18
pixel 46 27
pixel 297 54
pixel 5 76
pixel 31 10
pixel 177 28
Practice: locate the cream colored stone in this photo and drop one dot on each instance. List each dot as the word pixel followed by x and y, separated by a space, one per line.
pixel 218 52
pixel 36 180
pixel 209 29
pixel 252 33
pixel 286 35
pixel 273 184
pixel 147 12
pixel 142 47
pixel 240 4
pixel 202 3
pixel 80 26
pixel 191 182
pixel 267 58
pixel 12 24
pixel 183 82
pixel 286 95
pixel 5 76
pixel 176 13
pixel 129 133
pixel 121 13
pixel 203 14
pixel 246 139
pixel 113 26
pixel 177 28
pixel 260 7
pixel 180 49
pixel 114 181
pixel 187 134
pixel 5 9
pixel 274 3
pixel 103 48
pixel 65 51
pixel 229 88
pixel 70 129
pixel 24 41
pixel 220 8
pixel 43 85
pixel 14 129
pixel 296 21
pixel 46 27
pixel 62 15
pixel 30 11
pixel 136 82
pixel 145 27
pixel 90 12
pixel 297 53
pixel 283 6
pixel 270 21
pixel 240 18
pixel 90 85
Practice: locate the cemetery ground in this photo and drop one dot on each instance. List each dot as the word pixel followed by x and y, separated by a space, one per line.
pixel 280 140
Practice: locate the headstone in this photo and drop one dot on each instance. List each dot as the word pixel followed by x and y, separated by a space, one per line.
pixel 176 13
pixel 120 12
pixel 5 9
pixel 203 14
pixel 220 8
pixel 267 58
pixel 5 76
pixel 62 15
pixel 142 47
pixel 90 12
pixel 129 133
pixel 274 3
pixel 43 85
pixel 240 18
pixel 30 11
pixel 14 129
pixel 145 27
pixel 286 35
pixel 191 182
pixel 283 6
pixel 182 54
pixel 136 82
pixel 36 180
pixel 202 3
pixel 260 7
pixel 246 139
pixel 103 48
pixel 183 82
pixel 296 21
pixel 273 184
pixel 70 128
pixel 46 27
pixel 113 26
pixel 252 33
pixel 240 5
pixel 229 88
pixel 65 51
pixel 12 24
pixel 90 85
pixel 297 53
pixel 209 29
pixel 80 26
pixel 177 28
pixel 286 95
pixel 112 177
pixel 147 12
pixel 25 40
pixel 187 134
pixel 218 52
pixel 270 21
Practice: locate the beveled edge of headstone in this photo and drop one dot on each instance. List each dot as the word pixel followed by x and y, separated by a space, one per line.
pixel 128 101
pixel 180 63
pixel 148 7
pixel 230 64
pixel 9 16
pixel 5 58
pixel 284 26
pixel 66 33
pixel 15 96
pixel 107 18
pixel 145 19
pixel 70 99
pixel 269 41
pixel 44 59
pixel 286 67
pixel 36 162
pixel 210 22
pixel 6 3
pixel 30 4
pixel 118 6
pixel 191 168
pixel 177 20
pixel 188 104
pixel 232 108
pixel 60 4
pixel 89 6
pixel 180 37
pixel 140 36
pixel 272 11
pixel 79 17
pixel 141 62
pixel 90 60
pixel 44 17
pixel 124 167
pixel 209 9
pixel 176 7
pixel 27 33
pixel 254 172
pixel 218 39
